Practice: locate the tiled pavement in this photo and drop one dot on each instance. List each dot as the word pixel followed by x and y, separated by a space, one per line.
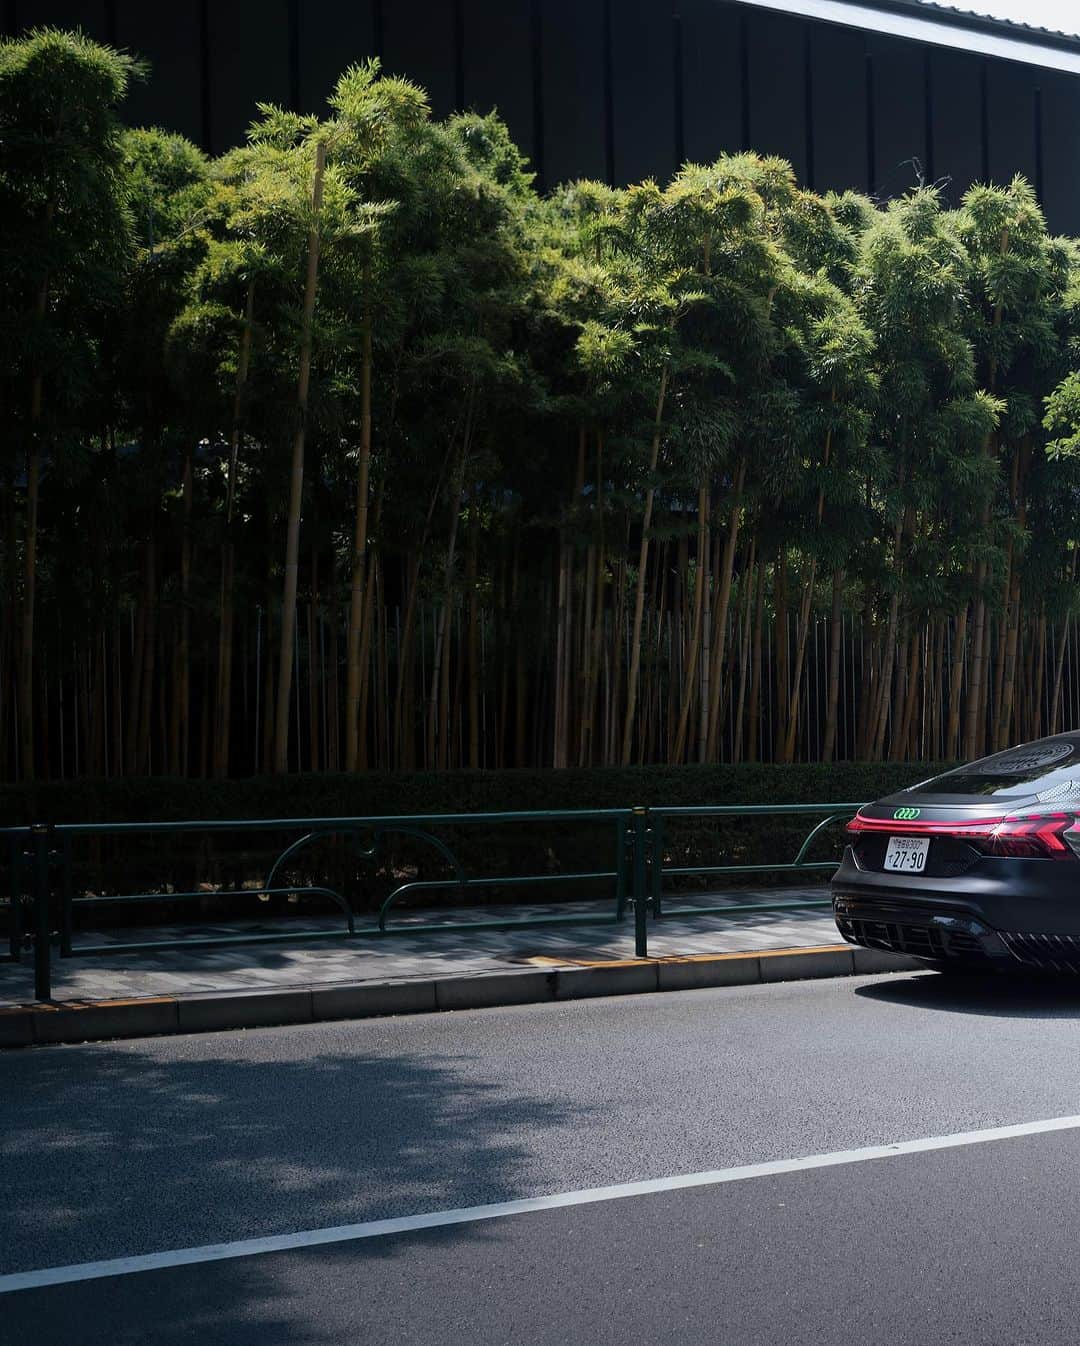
pixel 434 954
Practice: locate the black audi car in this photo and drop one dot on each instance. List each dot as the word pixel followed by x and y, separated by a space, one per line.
pixel 980 866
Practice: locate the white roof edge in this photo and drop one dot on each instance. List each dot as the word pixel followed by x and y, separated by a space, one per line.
pixel 1028 51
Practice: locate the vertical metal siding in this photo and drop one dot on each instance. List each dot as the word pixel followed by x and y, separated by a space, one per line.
pixel 1010 104
pixel 330 37
pixel 643 90
pixel 248 64
pixel 89 15
pixel 419 41
pixel 839 109
pixel 572 63
pixel 498 65
pixel 712 78
pixel 899 113
pixel 616 89
pixel 1060 107
pixel 957 121
pixel 175 81
pixel 777 87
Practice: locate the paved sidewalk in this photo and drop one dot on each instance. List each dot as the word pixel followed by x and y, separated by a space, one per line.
pixel 405 956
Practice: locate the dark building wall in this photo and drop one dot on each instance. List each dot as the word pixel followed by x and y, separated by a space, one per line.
pixel 616 89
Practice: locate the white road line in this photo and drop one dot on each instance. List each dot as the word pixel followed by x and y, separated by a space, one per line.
pixel 349 1233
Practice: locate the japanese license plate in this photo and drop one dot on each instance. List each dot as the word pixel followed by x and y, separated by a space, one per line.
pixel 907 855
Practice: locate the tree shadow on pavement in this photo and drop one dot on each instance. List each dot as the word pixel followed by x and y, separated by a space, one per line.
pixel 997 994
pixel 127 1148
pixel 370 1292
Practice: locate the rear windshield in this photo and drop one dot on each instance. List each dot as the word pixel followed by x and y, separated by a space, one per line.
pixel 1048 769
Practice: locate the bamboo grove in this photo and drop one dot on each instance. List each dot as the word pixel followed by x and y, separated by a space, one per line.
pixel 351 449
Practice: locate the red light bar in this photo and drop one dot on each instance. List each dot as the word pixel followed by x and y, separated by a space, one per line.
pixel 1024 835
pixel 983 828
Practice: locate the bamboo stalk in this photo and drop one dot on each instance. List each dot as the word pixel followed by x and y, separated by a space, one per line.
pixel 1035 682
pixel 373 576
pixel 146 681
pixel 360 544
pixel 723 602
pixel 296 477
pixel 749 587
pixel 956 681
pixel 678 749
pixel 753 742
pixel 223 710
pixel 836 624
pixel 781 666
pixel 643 560
pixel 473 637
pixel 439 699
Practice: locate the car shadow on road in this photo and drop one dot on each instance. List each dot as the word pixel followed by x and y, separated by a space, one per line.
pixel 991 993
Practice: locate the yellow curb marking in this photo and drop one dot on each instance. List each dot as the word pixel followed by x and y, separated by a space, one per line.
pixel 543 960
pixel 74 1006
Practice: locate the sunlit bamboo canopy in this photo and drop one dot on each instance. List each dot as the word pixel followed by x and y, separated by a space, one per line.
pixel 351 449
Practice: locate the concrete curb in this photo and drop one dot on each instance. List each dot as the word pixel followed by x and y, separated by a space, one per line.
pixel 208 1011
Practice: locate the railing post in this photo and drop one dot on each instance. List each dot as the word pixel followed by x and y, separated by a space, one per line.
pixel 40 833
pixel 641 929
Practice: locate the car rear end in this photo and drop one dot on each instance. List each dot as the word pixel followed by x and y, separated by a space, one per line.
pixel 977 867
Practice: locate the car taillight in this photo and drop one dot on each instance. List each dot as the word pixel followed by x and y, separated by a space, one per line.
pixel 1037 835
pixel 1054 836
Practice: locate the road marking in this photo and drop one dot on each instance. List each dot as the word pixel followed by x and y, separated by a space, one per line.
pixel 407 1224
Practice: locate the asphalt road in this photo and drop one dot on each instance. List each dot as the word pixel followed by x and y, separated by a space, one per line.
pixel 132 1148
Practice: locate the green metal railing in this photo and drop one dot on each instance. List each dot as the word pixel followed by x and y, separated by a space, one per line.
pixel 659 871
pixel 43 901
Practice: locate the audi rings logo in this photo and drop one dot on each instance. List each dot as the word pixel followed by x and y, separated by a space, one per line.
pixel 906 815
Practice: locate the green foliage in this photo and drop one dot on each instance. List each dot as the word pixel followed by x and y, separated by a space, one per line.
pixel 65 203
pixel 526 413
pixel 1063 418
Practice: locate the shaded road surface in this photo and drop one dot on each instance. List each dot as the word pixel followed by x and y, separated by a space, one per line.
pixel 133 1148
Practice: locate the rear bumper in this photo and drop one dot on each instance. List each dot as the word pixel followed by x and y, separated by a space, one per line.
pixel 1007 914
pixel 919 932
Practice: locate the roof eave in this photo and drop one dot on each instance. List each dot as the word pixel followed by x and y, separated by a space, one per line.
pixel 916 22
pixel 943 12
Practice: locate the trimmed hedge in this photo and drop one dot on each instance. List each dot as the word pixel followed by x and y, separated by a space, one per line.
pixel 157 799
pixel 231 861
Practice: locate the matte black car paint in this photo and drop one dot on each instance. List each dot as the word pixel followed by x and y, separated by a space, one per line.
pixel 973 906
